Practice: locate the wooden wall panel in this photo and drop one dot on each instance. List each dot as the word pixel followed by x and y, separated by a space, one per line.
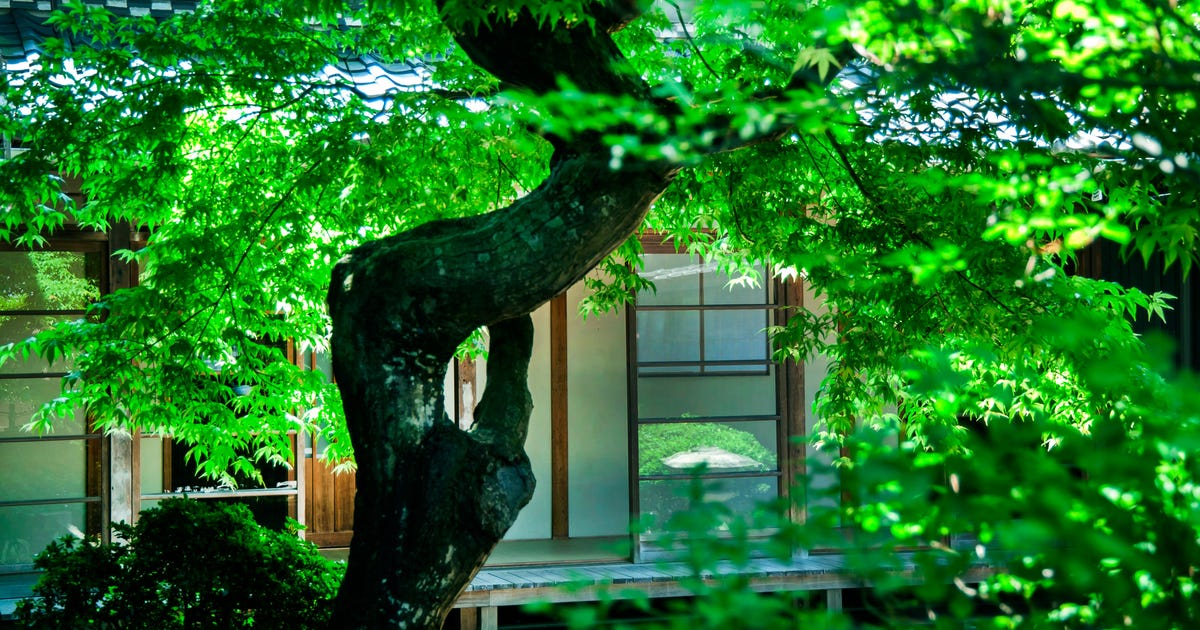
pixel 329 501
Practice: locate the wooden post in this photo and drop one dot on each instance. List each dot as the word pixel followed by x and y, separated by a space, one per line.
pixel 559 468
pixel 833 600
pixel 489 618
pixel 468 619
pixel 794 467
pixel 465 392
pixel 123 487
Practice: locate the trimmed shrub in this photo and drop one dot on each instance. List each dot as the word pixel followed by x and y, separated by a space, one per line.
pixel 186 564
pixel 661 499
pixel 659 441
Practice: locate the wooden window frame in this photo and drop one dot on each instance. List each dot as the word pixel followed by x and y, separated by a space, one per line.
pixel 789 416
pixel 96 495
pixel 702 365
pixel 295 474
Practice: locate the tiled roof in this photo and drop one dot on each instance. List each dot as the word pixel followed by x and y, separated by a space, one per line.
pixel 23 30
pixel 157 8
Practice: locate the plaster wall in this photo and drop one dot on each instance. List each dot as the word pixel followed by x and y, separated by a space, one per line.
pixel 534 520
pixel 597 412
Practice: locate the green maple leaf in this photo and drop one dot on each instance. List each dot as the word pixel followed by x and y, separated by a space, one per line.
pixel 820 58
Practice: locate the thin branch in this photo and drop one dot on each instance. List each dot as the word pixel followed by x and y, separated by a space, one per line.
pixel 262 225
pixel 858 182
pixel 461 95
pixel 510 172
pixel 816 164
pixel 499 166
pixel 852 172
pixel 691 40
pixel 737 219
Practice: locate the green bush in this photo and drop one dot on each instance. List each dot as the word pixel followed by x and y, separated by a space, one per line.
pixel 185 564
pixel 660 499
pixel 659 441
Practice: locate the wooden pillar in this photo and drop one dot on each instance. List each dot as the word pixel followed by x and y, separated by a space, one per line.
pixel 465 392
pixel 300 452
pixel 559 469
pixel 468 619
pixel 833 600
pixel 795 414
pixel 122 484
pixel 120 476
pixel 489 618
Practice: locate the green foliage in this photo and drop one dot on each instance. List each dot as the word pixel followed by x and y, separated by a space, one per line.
pixel 1028 524
pixel 60 286
pixel 935 198
pixel 918 197
pixel 252 179
pixel 185 564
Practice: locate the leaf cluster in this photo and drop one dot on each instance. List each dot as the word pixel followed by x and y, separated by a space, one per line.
pixel 247 161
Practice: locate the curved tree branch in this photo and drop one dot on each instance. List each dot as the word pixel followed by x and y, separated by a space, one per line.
pixel 502 415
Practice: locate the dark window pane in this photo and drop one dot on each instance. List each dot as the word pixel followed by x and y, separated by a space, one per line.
pixel 707 395
pixel 668 336
pixel 26 529
pixel 43 470
pixel 15 328
pixel 319 361
pixel 186 477
pixel 21 397
pixel 270 512
pixel 662 499
pixel 58 281
pixel 735 335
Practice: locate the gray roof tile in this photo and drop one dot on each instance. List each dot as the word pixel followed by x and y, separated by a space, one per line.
pixel 23 31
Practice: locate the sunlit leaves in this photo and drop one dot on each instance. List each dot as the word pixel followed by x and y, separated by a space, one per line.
pixel 249 172
pixel 822 59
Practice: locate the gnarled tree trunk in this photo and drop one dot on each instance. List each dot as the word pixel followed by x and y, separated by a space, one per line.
pixel 433 500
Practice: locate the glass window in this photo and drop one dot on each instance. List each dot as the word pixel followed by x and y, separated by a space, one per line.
pixel 20 398
pixel 735 335
pixel 706 395
pixel 674 277
pixel 165 470
pixel 700 320
pixel 65 479
pixel 707 401
pixel 669 336
pixel 722 289
pixel 25 530
pixel 674 448
pixel 21 327
pixel 48 281
pixel 663 498
pixel 49 485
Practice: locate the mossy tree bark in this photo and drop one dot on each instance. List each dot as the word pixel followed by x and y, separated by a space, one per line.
pixel 433 500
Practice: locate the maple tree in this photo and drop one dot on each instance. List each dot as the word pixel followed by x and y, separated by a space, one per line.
pixel 930 169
